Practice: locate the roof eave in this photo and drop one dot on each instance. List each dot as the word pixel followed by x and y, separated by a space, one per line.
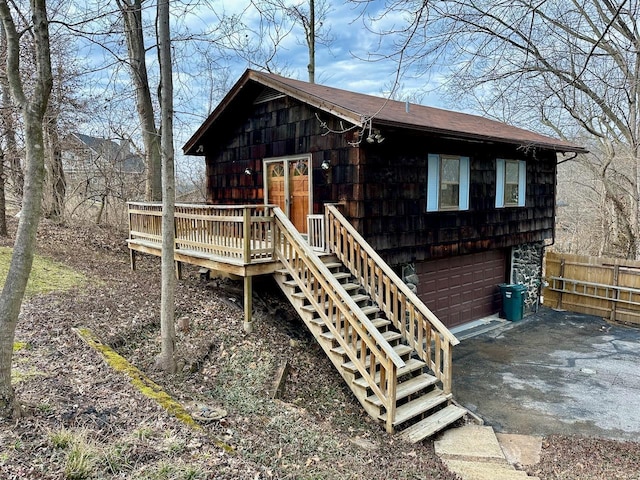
pixel 189 147
pixel 455 134
pixel 336 110
pixel 350 116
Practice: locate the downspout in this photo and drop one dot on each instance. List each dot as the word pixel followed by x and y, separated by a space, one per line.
pixel 553 228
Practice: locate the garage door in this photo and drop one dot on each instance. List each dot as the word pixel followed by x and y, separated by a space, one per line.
pixel 464 288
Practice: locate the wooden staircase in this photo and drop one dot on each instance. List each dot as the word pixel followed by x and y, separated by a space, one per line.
pixel 370 344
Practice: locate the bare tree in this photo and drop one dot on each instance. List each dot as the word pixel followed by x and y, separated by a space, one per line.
pixel 12 157
pixel 573 67
pixel 3 203
pixel 32 111
pixel 166 360
pixel 131 11
pixel 260 45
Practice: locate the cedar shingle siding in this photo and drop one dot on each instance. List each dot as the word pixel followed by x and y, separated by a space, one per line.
pixel 383 186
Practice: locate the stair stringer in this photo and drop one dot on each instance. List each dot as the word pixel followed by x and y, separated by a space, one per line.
pixel 336 359
pixel 362 393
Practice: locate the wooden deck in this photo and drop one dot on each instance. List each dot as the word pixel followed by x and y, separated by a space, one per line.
pixel 230 239
pixel 377 333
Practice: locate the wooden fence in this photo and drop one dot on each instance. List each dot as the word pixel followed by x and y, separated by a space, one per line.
pixel 606 287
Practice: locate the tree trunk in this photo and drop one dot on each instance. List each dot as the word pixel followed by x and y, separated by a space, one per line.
pixel 32 111
pixel 132 15
pixel 56 181
pixel 166 360
pixel 14 165
pixel 3 204
pixel 311 41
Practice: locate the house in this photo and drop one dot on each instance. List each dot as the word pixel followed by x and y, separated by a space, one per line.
pixel 456 203
pixel 101 174
pixel 87 156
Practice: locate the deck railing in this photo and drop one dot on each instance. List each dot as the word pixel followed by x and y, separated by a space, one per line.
pixel 239 234
pixel 423 331
pixel 372 355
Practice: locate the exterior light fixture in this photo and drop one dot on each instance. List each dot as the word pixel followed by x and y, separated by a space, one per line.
pixel 248 171
pixel 375 137
pixel 326 165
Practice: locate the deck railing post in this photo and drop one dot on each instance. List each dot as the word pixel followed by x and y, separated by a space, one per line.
pixel 447 367
pixel 246 233
pixel 392 373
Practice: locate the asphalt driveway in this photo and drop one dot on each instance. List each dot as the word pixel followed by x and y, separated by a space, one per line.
pixel 553 373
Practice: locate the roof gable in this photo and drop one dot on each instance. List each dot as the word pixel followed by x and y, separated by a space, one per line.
pixel 364 110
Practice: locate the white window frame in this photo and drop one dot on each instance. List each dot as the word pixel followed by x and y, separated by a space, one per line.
pixel 500 183
pixel 433 183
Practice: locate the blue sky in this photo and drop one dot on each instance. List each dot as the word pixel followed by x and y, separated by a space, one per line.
pixel 201 81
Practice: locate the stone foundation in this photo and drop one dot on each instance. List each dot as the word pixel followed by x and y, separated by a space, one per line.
pixel 526 269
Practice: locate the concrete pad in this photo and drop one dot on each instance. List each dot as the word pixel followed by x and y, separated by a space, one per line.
pixel 520 449
pixel 553 373
pixel 484 471
pixel 470 442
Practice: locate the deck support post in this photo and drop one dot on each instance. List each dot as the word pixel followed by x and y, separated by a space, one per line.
pixel 178 270
pixel 248 292
pixel 132 256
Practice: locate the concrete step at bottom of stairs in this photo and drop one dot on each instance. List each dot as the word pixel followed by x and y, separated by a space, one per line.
pixel 412 385
pixel 470 470
pixel 432 424
pixel 411 366
pixel 418 406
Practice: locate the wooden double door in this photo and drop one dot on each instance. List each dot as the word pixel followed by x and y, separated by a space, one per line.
pixel 287 185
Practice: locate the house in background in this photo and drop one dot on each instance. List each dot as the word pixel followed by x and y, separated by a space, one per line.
pixel 89 156
pixel 101 175
pixel 456 203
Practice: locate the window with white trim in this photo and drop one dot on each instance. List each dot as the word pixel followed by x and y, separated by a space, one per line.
pixel 511 183
pixel 447 183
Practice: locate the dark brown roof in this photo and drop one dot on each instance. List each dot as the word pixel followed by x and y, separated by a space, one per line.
pixel 358 108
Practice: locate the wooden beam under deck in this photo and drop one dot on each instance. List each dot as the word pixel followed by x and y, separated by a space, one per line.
pixel 224 265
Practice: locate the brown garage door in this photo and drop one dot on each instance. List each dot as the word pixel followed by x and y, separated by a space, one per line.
pixel 464 288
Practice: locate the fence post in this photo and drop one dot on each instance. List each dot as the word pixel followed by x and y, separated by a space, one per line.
pixel 562 277
pixel 614 303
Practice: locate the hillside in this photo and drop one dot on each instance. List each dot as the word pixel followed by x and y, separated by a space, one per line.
pixel 85 420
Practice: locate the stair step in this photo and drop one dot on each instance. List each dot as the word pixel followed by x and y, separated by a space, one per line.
pixel 432 424
pixel 340 275
pixel 399 349
pixel 370 310
pixel 411 365
pixel 408 387
pixel 331 265
pixel 347 286
pixel 350 286
pixel 336 275
pixel 377 322
pixel 358 297
pixel 418 406
pixel 389 336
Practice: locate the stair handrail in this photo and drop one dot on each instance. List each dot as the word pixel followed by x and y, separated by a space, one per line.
pixel 384 291
pixel 338 297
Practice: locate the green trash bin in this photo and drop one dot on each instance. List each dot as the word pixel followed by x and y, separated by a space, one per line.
pixel 513 301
